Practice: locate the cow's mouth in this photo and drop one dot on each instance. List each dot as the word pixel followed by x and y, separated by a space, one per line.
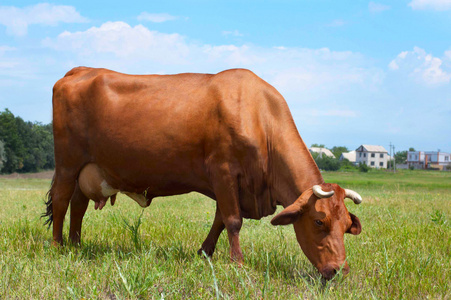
pixel 331 270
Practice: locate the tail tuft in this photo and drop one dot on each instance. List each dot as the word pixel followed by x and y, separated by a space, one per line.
pixel 49 207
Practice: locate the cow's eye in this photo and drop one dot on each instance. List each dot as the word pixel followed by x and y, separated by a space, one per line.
pixel 318 222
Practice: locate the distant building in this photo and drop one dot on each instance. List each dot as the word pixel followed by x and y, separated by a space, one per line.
pixel 321 151
pixel 426 159
pixel 415 159
pixel 351 156
pixel 373 156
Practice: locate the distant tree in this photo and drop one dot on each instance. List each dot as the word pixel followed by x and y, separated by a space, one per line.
pixel 338 150
pixel 363 167
pixel 318 145
pixel 314 155
pixel 327 163
pixel 345 164
pixel 39 148
pixel 2 154
pixel 14 146
pixel 401 157
pixel 390 164
pixel 28 146
pixel 48 146
pixel 411 149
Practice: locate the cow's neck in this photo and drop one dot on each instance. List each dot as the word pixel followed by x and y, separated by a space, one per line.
pixel 292 169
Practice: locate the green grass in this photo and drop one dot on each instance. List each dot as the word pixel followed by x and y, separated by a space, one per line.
pixel 404 250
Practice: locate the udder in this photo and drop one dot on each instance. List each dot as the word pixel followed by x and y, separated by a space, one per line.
pixel 94 185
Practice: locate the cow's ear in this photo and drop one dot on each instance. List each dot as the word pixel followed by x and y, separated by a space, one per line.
pixel 293 212
pixel 289 215
pixel 356 227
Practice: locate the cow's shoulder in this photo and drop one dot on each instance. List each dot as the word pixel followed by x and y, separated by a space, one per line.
pixel 246 81
pixel 242 86
pixel 236 76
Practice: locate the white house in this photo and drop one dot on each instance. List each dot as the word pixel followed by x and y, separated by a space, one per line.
pixel 421 159
pixel 321 151
pixel 351 156
pixel 415 159
pixel 373 156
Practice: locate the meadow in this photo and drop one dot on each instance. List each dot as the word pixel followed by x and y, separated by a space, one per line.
pixel 404 250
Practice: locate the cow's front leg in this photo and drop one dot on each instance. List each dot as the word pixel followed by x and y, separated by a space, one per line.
pixel 233 225
pixel 209 245
pixel 226 191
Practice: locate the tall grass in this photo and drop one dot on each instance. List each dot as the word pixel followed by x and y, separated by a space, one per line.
pixel 404 250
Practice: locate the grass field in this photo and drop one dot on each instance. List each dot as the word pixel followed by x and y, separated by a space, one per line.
pixel 404 250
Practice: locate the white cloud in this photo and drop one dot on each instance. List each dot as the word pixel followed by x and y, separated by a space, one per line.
pixel 14 69
pixel 423 67
pixel 6 63
pixel 448 55
pixel 302 75
pixel 377 7
pixel 232 33
pixel 432 72
pixel 232 55
pixel 393 65
pixel 440 5
pixel 18 19
pixel 123 41
pixel 156 18
pixel 3 49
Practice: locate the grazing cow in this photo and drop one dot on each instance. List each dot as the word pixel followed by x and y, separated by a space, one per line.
pixel 229 136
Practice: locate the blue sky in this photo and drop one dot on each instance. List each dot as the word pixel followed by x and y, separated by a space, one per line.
pixel 352 72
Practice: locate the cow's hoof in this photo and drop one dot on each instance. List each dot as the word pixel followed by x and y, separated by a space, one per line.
pixel 238 261
pixel 203 252
pixel 57 244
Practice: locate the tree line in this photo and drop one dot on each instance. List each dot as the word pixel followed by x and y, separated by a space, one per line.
pixel 24 146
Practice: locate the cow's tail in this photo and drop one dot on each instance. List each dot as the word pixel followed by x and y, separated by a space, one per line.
pixel 49 207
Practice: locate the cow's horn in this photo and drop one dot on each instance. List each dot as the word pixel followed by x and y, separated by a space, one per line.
pixel 318 191
pixel 354 196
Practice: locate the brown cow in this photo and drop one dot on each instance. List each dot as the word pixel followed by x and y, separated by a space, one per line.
pixel 229 136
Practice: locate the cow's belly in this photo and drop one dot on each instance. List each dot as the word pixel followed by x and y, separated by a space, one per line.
pixel 94 185
pixel 161 170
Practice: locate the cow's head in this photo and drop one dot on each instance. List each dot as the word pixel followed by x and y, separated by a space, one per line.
pixel 320 220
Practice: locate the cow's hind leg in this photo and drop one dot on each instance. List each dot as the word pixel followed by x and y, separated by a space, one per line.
pixel 78 206
pixel 59 197
pixel 209 245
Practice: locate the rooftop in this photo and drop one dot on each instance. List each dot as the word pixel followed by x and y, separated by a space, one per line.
pixel 351 156
pixel 322 150
pixel 373 148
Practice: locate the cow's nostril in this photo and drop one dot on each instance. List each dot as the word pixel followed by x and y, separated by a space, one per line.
pixel 330 271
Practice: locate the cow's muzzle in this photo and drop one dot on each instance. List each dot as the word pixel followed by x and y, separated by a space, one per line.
pixel 330 270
